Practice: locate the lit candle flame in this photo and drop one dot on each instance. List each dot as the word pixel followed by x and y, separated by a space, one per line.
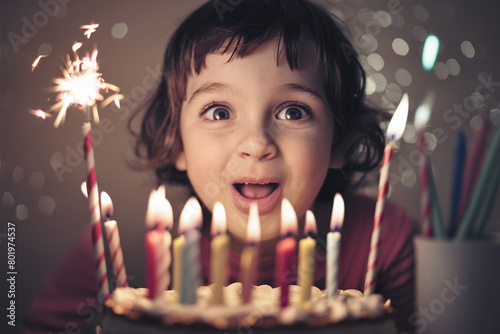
pixel 191 216
pixel 106 205
pixel 338 211
pixel 397 124
pixel 159 214
pixel 90 29
pixel 289 223
pixel 310 225
pixel 219 223
pixel 253 228
pixel 423 112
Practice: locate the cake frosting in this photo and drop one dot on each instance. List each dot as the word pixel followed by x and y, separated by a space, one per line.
pixel 130 311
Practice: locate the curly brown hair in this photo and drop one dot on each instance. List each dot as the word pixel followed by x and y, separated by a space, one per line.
pixel 245 25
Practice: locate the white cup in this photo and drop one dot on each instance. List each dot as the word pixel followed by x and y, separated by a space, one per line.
pixel 457 286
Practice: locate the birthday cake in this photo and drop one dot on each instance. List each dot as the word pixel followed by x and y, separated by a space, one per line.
pixel 130 311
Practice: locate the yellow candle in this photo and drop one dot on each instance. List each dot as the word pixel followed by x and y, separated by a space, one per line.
pixel 220 253
pixel 307 263
pixel 250 255
pixel 177 248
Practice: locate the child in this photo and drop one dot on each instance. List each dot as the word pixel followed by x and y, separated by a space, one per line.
pixel 264 100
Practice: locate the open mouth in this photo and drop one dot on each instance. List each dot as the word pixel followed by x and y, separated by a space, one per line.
pixel 255 191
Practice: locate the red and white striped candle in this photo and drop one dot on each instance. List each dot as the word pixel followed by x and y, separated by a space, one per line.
pixel 115 247
pixel 95 214
pixel 394 132
pixel 159 221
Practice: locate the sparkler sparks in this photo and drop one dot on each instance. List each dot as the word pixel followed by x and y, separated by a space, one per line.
pixel 35 63
pixel 90 29
pixel 40 113
pixel 81 84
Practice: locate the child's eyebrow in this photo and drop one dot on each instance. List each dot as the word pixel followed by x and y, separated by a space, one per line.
pixel 214 87
pixel 295 87
pixel 218 87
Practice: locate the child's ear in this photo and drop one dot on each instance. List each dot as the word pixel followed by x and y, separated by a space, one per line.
pixel 180 161
pixel 337 157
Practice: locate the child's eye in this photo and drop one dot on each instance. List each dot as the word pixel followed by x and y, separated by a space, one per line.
pixel 293 113
pixel 217 113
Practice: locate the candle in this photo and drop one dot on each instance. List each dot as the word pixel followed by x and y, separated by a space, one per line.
pixel 473 166
pixel 460 153
pixel 285 251
pixel 159 221
pixel 250 255
pixel 191 216
pixel 333 239
pixel 422 115
pixel 177 247
pixel 394 132
pixel 95 214
pixel 115 248
pixel 484 192
pixel 437 215
pixel 220 253
pixel 307 264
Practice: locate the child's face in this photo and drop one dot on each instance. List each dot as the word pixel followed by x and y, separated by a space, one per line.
pixel 255 131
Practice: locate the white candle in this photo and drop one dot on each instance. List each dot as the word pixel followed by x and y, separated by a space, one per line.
pixel 333 239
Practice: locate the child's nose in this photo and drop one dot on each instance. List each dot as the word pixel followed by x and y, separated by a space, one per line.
pixel 259 146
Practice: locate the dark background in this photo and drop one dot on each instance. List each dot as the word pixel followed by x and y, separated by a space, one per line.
pixel 47 206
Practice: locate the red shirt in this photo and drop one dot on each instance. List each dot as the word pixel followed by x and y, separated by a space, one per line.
pixel 68 299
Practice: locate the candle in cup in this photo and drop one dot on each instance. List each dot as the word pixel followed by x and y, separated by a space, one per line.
pixel 394 132
pixel 422 115
pixel 250 255
pixel 333 240
pixel 285 251
pixel 220 252
pixel 307 263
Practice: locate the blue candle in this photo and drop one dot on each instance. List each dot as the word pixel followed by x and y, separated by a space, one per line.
pixel 456 190
pixel 191 217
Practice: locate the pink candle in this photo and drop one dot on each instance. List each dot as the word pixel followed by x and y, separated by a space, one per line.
pixel 95 214
pixel 115 248
pixel 422 116
pixel 425 197
pixel 159 221
pixel 394 132
pixel 286 251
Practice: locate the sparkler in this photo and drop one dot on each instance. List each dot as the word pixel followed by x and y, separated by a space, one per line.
pixel 81 85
